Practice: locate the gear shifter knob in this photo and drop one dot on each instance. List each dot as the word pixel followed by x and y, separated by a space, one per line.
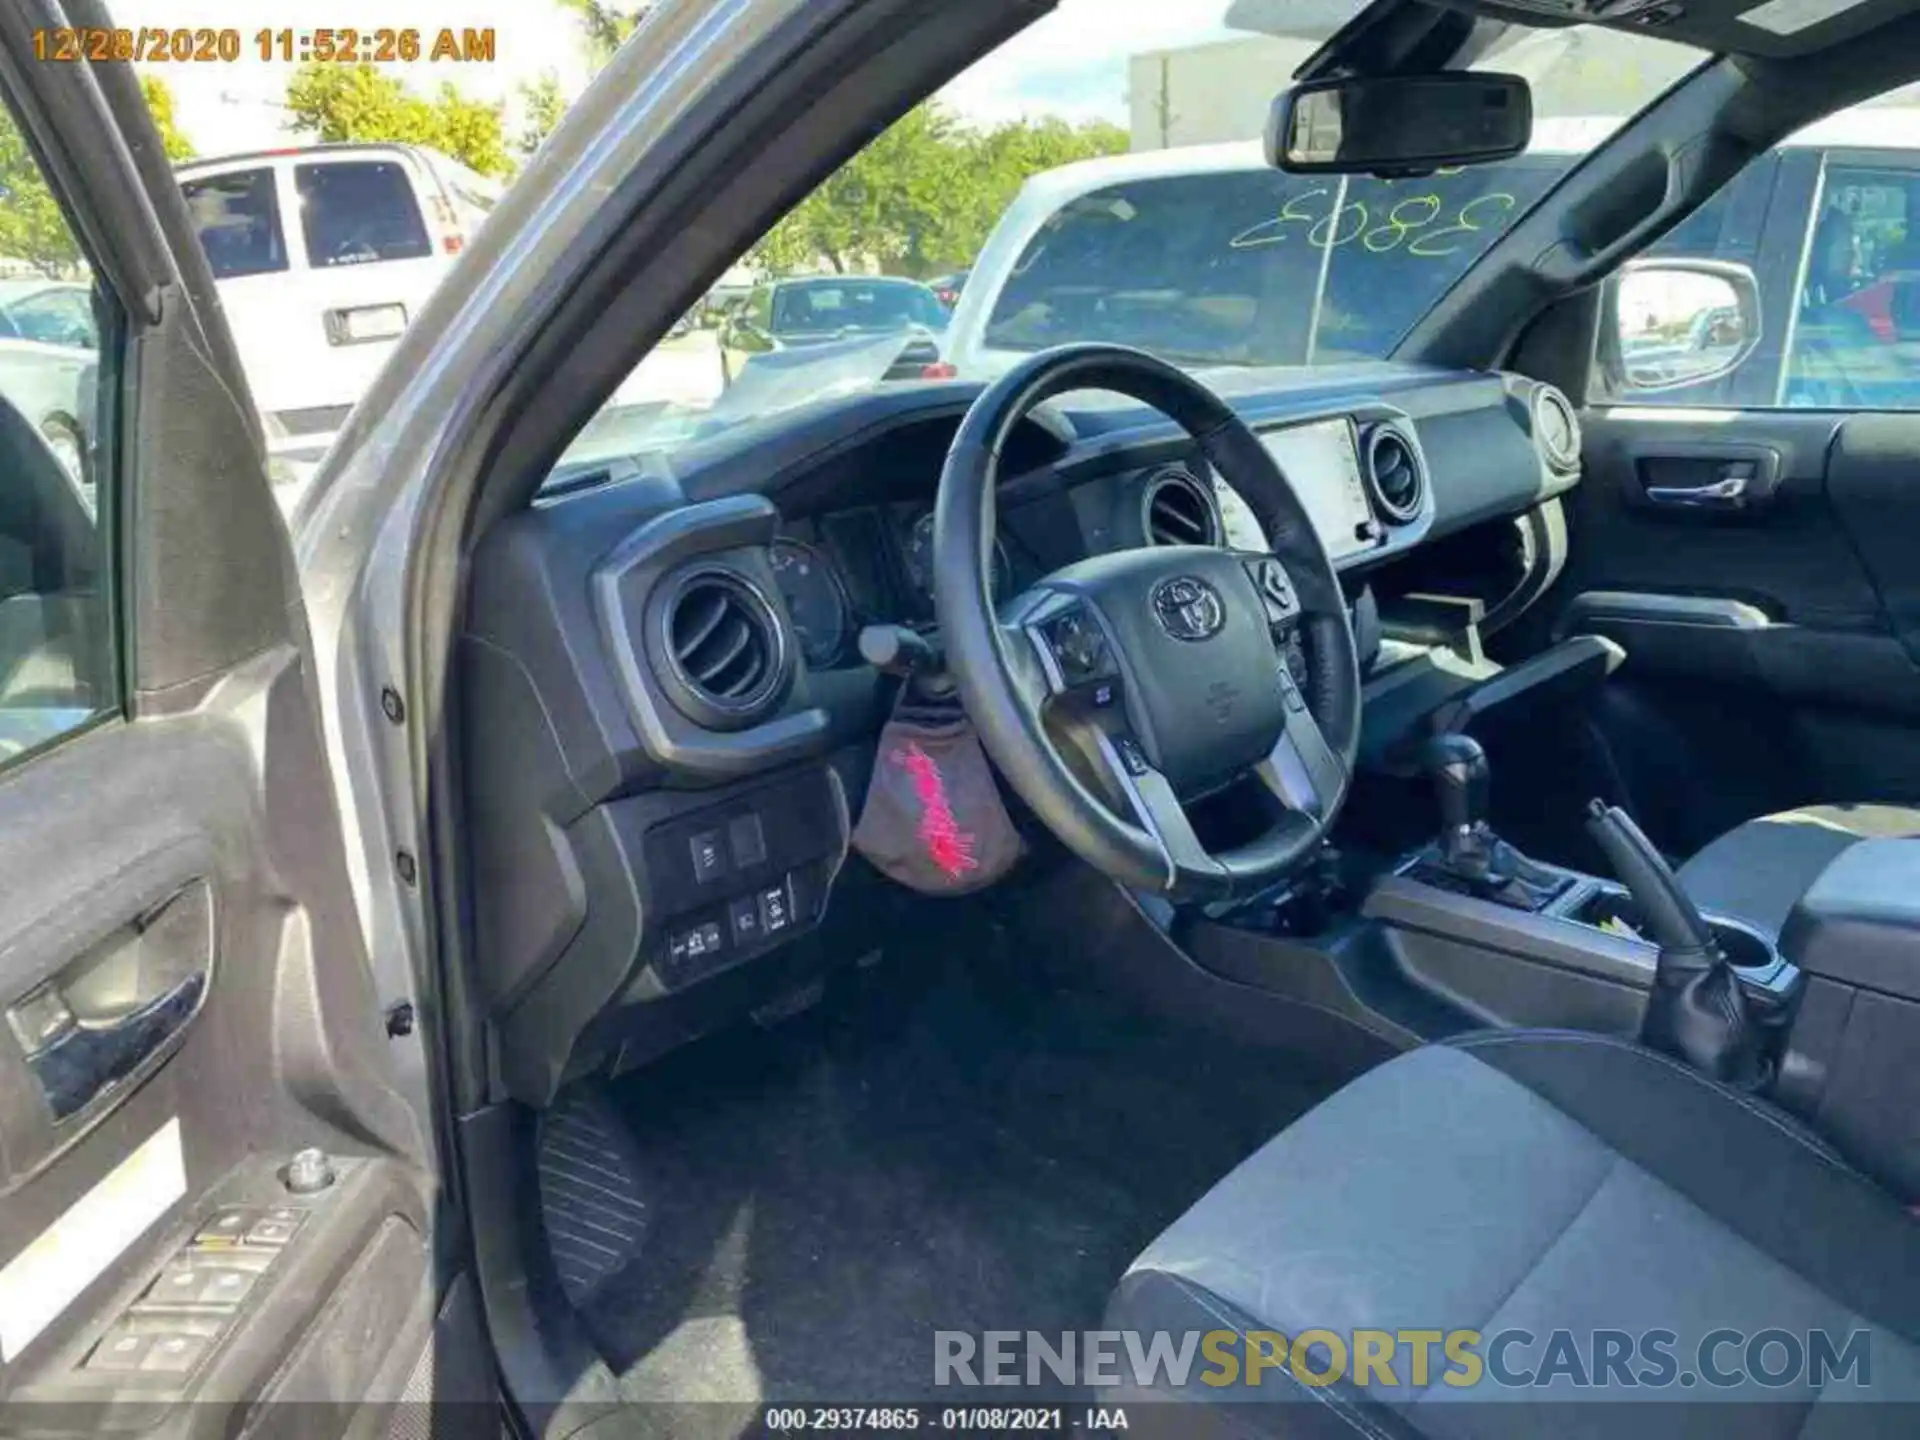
pixel 1461 776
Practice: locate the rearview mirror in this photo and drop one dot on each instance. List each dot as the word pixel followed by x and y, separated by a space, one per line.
pixel 1681 322
pixel 1399 125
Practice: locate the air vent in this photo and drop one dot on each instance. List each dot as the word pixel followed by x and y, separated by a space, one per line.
pixel 1556 429
pixel 1394 472
pixel 724 648
pixel 1176 509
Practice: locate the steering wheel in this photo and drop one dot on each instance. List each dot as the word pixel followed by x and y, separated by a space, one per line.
pixel 1120 686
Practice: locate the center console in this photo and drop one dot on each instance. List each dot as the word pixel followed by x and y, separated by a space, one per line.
pixel 1583 960
pixel 1465 932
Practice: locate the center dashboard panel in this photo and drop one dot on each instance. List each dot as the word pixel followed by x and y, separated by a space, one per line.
pixel 666 719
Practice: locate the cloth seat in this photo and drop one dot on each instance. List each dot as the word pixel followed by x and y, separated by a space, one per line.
pixel 1538 1182
pixel 1757 871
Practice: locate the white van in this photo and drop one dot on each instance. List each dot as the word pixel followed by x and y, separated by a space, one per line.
pixel 322 255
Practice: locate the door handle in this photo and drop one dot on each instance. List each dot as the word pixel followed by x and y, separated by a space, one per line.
pixel 76 1059
pixel 1729 492
pixel 110 1015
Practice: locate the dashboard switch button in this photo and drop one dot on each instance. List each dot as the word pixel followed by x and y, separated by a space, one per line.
pixel 747 840
pixel 744 914
pixel 776 909
pixel 709 856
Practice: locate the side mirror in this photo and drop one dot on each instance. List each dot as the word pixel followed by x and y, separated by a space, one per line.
pixel 1672 323
pixel 1399 124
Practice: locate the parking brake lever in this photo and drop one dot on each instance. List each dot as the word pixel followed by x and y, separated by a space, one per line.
pixel 1668 912
pixel 1698 1010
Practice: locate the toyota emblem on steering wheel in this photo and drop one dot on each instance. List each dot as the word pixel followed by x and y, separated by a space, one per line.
pixel 1188 608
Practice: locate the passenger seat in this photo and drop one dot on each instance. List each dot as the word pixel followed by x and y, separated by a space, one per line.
pixel 1758 871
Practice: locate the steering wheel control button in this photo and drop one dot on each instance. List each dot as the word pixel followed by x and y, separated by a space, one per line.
pixel 709 856
pixel 744 916
pixel 1132 758
pixel 747 841
pixel 119 1352
pixel 1078 647
pixel 776 909
pixel 1276 590
pixel 1290 692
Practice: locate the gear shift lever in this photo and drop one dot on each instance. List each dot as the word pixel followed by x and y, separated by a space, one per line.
pixel 1469 851
pixel 1461 778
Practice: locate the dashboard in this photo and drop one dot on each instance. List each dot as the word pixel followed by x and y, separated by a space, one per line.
pixel 666 721
pixel 847 568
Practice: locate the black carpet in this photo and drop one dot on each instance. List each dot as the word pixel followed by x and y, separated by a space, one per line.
pixel 937 1149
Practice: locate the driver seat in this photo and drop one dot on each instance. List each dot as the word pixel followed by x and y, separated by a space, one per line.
pixel 1537 1181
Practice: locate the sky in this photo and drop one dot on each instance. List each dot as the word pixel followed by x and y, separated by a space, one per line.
pixel 1072 63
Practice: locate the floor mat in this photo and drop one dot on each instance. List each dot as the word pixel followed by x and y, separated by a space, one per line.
pixel 590 1200
pixel 916 1156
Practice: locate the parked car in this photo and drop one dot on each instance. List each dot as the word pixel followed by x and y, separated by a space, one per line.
pixel 48 351
pixel 1320 268
pixel 809 312
pixel 322 255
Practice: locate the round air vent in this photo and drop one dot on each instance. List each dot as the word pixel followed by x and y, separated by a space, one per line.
pixel 1556 429
pixel 1177 509
pixel 1395 474
pixel 725 651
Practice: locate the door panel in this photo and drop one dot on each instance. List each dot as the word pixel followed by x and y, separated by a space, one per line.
pixel 185 996
pixel 1802 690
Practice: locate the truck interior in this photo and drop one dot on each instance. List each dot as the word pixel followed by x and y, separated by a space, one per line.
pixel 1419 842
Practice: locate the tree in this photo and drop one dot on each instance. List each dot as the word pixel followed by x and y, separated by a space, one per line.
pixel 32 228
pixel 607 26
pixel 541 106
pixel 359 102
pixel 175 145
pixel 923 196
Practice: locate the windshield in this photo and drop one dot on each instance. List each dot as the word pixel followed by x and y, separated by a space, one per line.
pixel 1100 177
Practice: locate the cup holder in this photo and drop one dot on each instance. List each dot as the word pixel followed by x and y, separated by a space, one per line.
pixel 1614 911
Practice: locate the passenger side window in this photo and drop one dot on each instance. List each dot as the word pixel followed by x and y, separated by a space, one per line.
pixel 1856 338
pixel 58 662
pixel 1822 243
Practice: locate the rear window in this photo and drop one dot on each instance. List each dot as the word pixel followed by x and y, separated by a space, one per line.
pixel 1256 267
pixel 237 217
pixel 357 212
pixel 854 307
